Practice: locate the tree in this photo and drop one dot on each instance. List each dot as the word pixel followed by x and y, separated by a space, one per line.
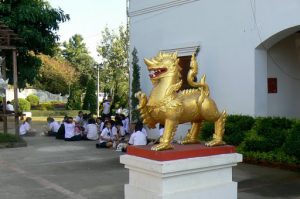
pixel 75 51
pixel 135 85
pixel 114 74
pixel 36 22
pixel 74 100
pixel 56 75
pixel 90 98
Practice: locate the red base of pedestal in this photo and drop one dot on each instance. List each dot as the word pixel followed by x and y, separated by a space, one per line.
pixel 179 151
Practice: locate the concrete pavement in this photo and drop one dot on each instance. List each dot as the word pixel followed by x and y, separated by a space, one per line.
pixel 55 169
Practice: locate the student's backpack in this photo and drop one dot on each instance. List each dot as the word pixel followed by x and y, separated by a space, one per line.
pixel 61 132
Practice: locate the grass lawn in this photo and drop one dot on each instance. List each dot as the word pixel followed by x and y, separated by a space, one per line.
pixel 44 119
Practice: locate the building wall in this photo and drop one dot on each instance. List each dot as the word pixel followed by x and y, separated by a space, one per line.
pixel 234 37
pixel 284 64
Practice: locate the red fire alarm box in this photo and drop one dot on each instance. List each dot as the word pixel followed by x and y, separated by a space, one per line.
pixel 272 85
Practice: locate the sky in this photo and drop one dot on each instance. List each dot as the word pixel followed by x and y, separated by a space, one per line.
pixel 88 18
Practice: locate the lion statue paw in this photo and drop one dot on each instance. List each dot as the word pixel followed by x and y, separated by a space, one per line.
pixel 215 142
pixel 161 147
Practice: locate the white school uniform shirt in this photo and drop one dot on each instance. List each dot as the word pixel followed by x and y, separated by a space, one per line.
pixel 106 134
pixel 161 131
pixel 54 126
pixel 126 124
pixel 79 119
pixel 92 132
pixel 106 107
pixel 9 107
pixel 101 126
pixel 138 138
pixel 122 131
pixel 69 130
pixel 145 132
pixel 24 128
pixel 114 131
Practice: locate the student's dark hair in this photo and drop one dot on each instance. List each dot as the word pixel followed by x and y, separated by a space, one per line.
pixel 119 123
pixel 50 119
pixel 8 102
pixel 85 116
pixel 106 122
pixel 79 112
pixel 68 120
pixel 113 123
pixel 91 121
pixel 161 126
pixel 138 126
pixel 122 116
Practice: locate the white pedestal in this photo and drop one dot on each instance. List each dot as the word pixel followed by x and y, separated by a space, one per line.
pixel 207 177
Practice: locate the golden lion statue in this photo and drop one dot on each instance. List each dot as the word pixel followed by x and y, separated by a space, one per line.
pixel 169 105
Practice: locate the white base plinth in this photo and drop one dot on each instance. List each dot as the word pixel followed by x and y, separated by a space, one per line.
pixel 207 177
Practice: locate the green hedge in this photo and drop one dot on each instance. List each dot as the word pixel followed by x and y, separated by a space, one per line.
pixel 33 100
pixel 52 105
pixel 24 105
pixel 46 113
pixel 272 139
pixel 236 127
pixel 8 138
pixel 292 143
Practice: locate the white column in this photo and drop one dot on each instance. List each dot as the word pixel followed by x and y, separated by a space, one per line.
pixel 207 177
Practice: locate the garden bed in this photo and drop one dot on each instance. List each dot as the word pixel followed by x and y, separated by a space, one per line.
pixel 267 141
pixel 280 165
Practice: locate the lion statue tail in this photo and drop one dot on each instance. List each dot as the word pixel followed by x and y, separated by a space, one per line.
pixel 192 76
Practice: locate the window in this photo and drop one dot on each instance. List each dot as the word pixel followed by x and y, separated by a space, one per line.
pixel 184 63
pixel 272 85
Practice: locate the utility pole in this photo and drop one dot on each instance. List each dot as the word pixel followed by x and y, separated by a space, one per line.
pixel 98 68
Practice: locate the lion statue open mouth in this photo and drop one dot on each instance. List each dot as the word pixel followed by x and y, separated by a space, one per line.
pixel 169 105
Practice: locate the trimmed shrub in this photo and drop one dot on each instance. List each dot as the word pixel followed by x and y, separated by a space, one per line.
pixel 236 126
pixel 277 156
pixel 268 134
pixel 207 131
pixel 33 100
pixel 55 113
pixel 45 106
pixel 292 145
pixel 24 105
pixel 8 138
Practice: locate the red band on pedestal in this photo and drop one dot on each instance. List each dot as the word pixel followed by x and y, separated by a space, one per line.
pixel 179 152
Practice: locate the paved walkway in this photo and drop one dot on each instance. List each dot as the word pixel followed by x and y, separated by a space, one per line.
pixel 54 169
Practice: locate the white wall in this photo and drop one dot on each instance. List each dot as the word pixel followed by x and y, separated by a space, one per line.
pixel 284 64
pixel 224 42
pixel 44 96
pixel 234 36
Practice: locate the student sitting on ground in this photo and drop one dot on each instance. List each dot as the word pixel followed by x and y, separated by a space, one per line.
pixel 52 127
pixel 106 137
pixel 70 131
pixel 136 138
pixel 61 131
pixel 25 128
pixel 79 118
pixel 91 131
